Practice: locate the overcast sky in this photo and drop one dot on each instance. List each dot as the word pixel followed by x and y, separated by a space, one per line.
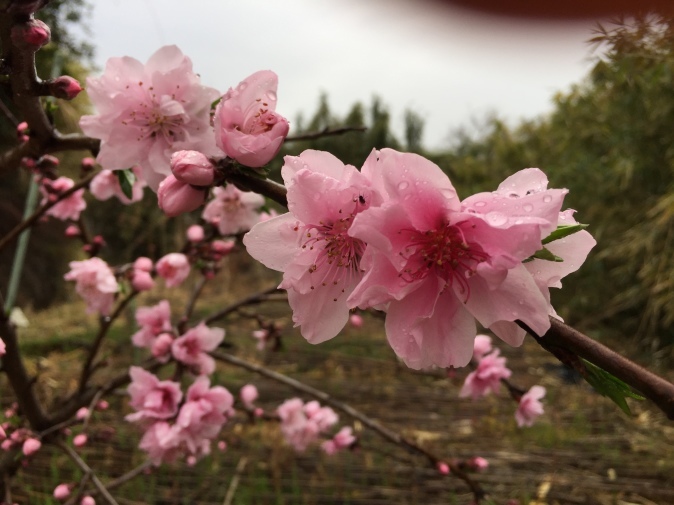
pixel 451 66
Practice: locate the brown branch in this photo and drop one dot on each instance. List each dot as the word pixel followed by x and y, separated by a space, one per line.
pixel 384 432
pixel 326 132
pixel 105 324
pixel 88 471
pixel 250 300
pixel 21 383
pixel 16 231
pixel 265 187
pixel 568 345
pixel 191 303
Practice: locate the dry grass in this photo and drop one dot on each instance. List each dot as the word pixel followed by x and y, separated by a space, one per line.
pixel 584 450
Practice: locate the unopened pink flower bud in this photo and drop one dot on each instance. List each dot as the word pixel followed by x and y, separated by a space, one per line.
pixel 192 167
pixel 73 231
pixel 143 263
pixel 222 247
pixel 3 348
pixel 443 468
pixel 80 440
pixel 22 128
pixel 102 405
pixel 64 87
pixel 142 281
pixel 222 445
pixel 6 444
pixel 356 320
pixel 88 163
pixel 31 446
pixel 195 233
pixel 62 491
pixel 191 461
pixel 33 34
pixel 176 197
pixel 161 347
pixel 88 500
pixel 248 395
pixel 478 463
pixel 82 413
pixel 258 412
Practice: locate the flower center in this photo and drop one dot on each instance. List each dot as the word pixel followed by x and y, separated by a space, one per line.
pixel 338 259
pixel 445 253
pixel 262 121
pixel 162 116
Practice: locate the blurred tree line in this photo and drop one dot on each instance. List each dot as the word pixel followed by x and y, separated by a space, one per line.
pixel 610 140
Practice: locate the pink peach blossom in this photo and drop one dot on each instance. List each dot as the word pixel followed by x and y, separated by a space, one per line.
pixel 530 406
pixel 343 439
pixel 478 463
pixel 106 185
pixel 161 347
pixel 525 196
pixel 301 424
pixel 162 442
pixel 192 348
pixel 142 280
pixel 80 440
pixel 202 415
pixel 68 208
pixel 435 267
pixel 82 413
pixel 174 268
pixel 232 210
pixel 153 321
pixel 152 398
pixel 481 347
pixel 143 263
pixel 87 500
pixel 96 284
pixel 147 112
pixel 311 244
pixel 3 348
pixel 247 127
pixel 486 378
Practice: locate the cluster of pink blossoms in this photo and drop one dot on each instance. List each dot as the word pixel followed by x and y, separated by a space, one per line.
pixel 486 378
pixel 177 426
pixel 395 236
pixel 158 116
pixel 303 423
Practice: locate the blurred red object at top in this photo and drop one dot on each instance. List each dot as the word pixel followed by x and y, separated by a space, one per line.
pixel 564 9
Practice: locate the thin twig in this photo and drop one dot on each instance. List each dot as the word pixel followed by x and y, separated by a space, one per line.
pixel 87 470
pixel 105 324
pixel 384 432
pixel 250 300
pixel 191 303
pixel 14 232
pixel 234 484
pixel 326 132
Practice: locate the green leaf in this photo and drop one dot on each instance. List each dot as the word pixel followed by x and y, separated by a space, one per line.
pixel 543 254
pixel 215 103
pixel 610 386
pixel 126 179
pixel 564 231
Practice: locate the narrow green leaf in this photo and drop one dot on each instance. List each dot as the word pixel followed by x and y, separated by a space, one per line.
pixel 610 386
pixel 126 179
pixel 564 231
pixel 543 254
pixel 215 103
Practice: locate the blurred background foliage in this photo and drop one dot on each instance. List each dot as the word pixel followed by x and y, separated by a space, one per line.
pixel 610 140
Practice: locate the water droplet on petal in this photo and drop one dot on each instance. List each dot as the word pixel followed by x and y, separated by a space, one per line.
pixel 271 95
pixel 403 185
pixel 528 207
pixel 547 198
pixel 480 204
pixel 497 218
pixel 242 86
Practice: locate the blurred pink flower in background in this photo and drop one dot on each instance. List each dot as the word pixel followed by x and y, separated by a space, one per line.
pixel 95 283
pixel 232 210
pixel 173 268
pixel 530 406
pixel 68 208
